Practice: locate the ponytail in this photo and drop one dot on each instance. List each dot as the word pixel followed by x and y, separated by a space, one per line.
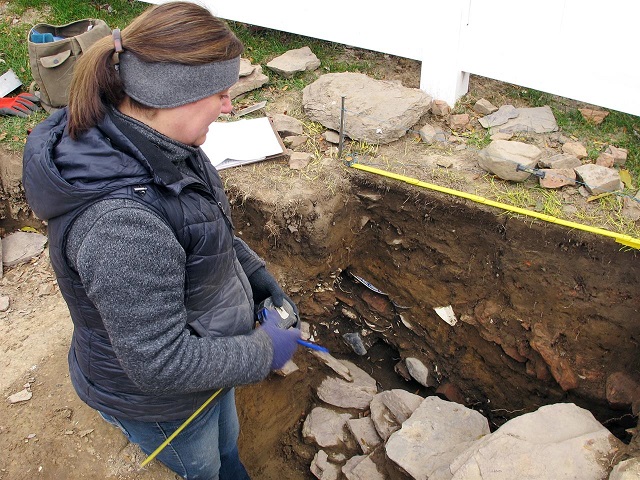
pixel 95 84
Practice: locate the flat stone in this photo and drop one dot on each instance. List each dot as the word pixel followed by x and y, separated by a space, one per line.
pixel 356 394
pixel 631 207
pixel 499 117
pixel 5 302
pixel 627 470
pixel 440 108
pixel 418 371
pixel 484 107
pixel 459 122
pixel 246 68
pixel 558 177
pixel 334 364
pixel 294 61
pixel 389 409
pixel 598 179
pixel 354 340
pixel 362 467
pixel 430 134
pixel 325 427
pixel 20 247
pixel 21 396
pixel 377 111
pixel 501 136
pixel 286 125
pixel 254 80
pixel 436 433
pixel 605 160
pixel 299 160
pixel 294 141
pixel 331 137
pixel 575 148
pixel 529 120
pixel 288 369
pixel 556 441
pixel 559 161
pixel 619 154
pixel 365 433
pixel 322 469
pixel 593 115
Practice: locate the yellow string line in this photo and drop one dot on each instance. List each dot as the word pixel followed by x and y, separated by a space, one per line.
pixel 180 428
pixel 626 240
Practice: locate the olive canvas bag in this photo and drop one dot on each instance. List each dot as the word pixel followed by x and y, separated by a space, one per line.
pixel 52 62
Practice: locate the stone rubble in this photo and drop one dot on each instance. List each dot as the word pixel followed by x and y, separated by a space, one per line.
pixel 435 439
pixel 371 120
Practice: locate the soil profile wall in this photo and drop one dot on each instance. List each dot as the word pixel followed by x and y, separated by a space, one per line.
pixel 544 314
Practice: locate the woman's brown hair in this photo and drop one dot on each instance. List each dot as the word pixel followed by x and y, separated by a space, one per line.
pixel 175 32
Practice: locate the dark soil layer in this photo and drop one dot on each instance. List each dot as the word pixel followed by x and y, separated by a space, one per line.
pixel 545 314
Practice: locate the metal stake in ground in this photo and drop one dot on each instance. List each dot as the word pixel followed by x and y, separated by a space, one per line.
pixel 341 142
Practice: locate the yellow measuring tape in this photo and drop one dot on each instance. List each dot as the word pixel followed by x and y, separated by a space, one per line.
pixel 180 428
pixel 626 240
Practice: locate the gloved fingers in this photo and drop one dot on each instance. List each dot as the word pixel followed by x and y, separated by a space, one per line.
pixel 29 97
pixel 284 342
pixel 266 315
pixel 12 112
pixel 26 103
pixel 263 286
pixel 292 303
pixel 277 296
pixel 22 108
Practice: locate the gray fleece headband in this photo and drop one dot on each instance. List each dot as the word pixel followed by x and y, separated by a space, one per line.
pixel 168 85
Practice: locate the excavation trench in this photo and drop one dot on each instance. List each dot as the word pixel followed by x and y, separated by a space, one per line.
pixel 545 314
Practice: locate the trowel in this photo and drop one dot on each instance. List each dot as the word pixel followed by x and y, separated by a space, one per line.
pixel 8 83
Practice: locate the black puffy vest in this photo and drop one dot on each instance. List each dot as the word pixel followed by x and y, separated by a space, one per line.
pixel 222 305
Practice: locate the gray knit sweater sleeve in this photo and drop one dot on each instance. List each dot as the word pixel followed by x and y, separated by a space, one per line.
pixel 132 267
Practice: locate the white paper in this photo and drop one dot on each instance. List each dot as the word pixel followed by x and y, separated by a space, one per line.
pixel 236 143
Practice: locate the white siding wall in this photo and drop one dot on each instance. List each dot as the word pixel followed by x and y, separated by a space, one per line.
pixel 586 50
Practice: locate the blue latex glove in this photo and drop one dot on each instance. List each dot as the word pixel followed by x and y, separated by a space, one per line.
pixel 263 286
pixel 285 342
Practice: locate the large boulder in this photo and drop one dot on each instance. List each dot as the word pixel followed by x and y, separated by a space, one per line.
pixel 560 441
pixel 377 111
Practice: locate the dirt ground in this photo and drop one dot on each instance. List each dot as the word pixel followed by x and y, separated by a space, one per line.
pixel 545 314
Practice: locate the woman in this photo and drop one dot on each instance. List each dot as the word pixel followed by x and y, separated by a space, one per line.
pixel 160 290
